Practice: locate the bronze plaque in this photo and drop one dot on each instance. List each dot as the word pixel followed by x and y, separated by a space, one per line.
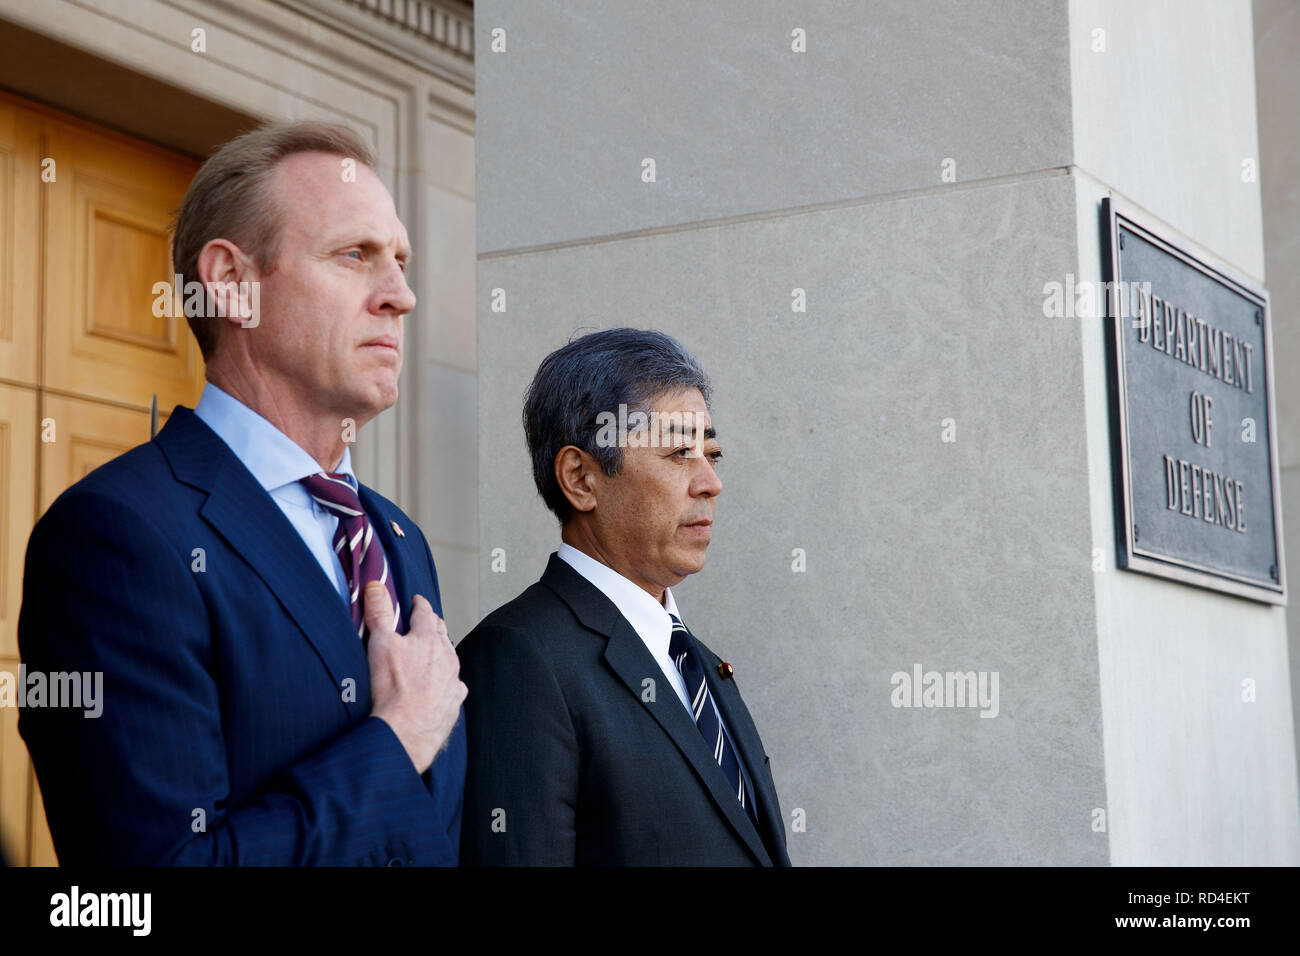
pixel 1193 427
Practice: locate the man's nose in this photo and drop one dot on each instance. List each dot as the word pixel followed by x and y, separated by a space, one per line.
pixel 708 482
pixel 397 295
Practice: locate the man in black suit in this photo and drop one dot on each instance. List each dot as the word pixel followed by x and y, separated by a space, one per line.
pixel 601 731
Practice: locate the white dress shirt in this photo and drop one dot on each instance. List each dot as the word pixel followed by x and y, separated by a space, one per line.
pixel 647 616
pixel 277 462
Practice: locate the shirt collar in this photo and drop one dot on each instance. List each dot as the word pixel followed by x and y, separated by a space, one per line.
pixel 647 616
pixel 274 458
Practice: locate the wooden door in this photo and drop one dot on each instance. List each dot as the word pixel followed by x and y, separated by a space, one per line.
pixel 84 220
pixel 18 442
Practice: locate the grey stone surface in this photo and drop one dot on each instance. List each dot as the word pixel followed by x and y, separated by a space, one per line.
pixel 448 457
pixel 458 582
pixel 446 293
pixel 739 123
pixel 451 153
pixel 1195 774
pixel 1166 114
pixel 992 553
pixel 1291 529
pixel 961 556
pixel 1277 37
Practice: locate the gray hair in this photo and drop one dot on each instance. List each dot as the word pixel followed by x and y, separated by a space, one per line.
pixel 593 374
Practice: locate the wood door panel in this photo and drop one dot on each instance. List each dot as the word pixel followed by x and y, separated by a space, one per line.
pixel 86 435
pixel 106 245
pixel 41 847
pixel 20 198
pixel 18 455
pixel 81 353
pixel 15 771
pixel 17 515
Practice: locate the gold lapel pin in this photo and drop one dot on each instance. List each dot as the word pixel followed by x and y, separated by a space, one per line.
pixel 397 529
pixel 726 671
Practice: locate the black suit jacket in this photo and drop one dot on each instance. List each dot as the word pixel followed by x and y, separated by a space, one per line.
pixel 571 764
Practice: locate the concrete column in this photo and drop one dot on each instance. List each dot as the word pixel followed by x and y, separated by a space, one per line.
pixel 920 440
pixel 1277 75
pixel 1165 117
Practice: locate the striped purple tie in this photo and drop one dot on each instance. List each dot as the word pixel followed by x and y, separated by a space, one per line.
pixel 362 557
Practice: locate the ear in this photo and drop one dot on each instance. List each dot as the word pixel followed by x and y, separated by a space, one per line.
pixel 577 472
pixel 228 275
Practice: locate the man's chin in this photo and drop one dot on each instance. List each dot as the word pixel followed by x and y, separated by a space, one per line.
pixel 383 396
pixel 691 563
pixel 364 408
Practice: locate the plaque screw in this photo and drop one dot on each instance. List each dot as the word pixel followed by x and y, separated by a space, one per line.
pixel 1121 240
pixel 1135 532
pixel 1259 317
pixel 1272 571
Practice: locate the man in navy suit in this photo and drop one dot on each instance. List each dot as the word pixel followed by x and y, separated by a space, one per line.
pixel 278 685
pixel 601 730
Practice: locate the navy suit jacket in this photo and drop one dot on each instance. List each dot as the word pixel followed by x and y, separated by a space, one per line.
pixel 570 764
pixel 236 695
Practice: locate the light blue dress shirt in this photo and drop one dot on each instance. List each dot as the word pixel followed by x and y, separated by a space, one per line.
pixel 277 463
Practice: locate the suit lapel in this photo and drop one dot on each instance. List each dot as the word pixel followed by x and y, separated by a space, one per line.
pixel 629 658
pixel 745 736
pixel 242 512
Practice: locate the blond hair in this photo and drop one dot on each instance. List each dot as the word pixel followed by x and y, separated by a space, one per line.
pixel 230 198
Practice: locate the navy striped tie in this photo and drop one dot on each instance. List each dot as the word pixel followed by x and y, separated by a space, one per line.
pixel 362 557
pixel 706 718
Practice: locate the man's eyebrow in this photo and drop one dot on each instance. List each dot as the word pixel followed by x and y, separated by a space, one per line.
pixel 348 240
pixel 676 429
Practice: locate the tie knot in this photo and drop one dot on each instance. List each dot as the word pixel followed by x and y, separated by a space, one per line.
pixel 677 640
pixel 334 493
